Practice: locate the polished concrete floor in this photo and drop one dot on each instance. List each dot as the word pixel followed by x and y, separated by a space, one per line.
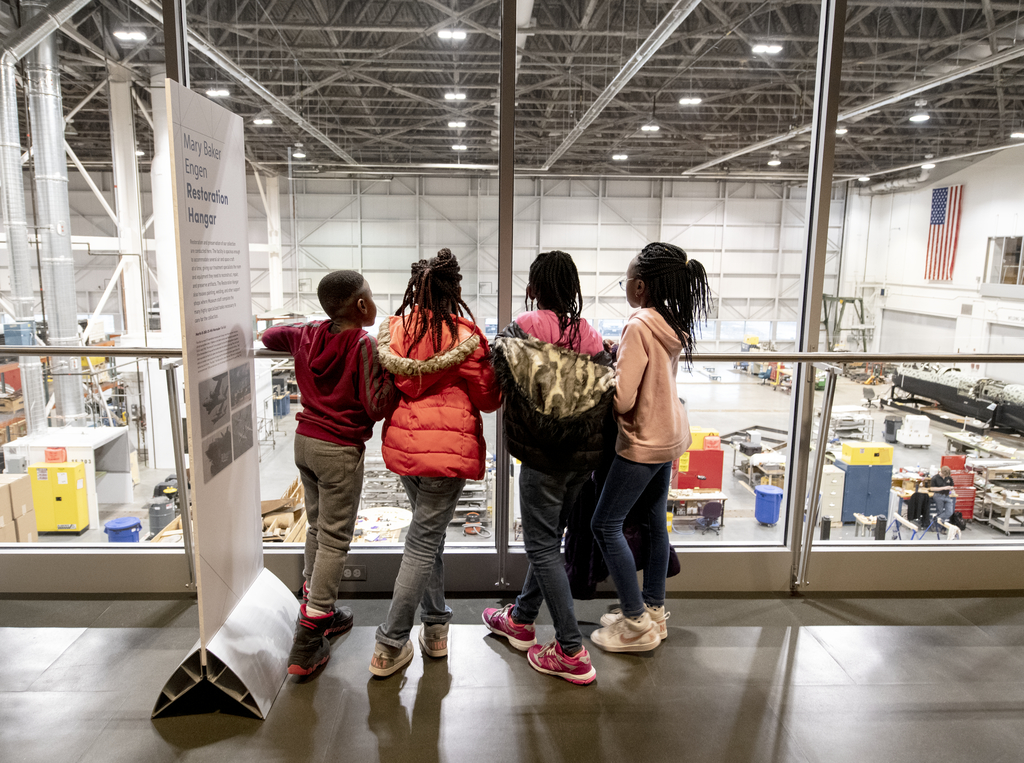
pixel 830 680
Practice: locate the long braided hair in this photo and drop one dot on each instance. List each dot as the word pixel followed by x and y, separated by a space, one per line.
pixel 677 288
pixel 434 290
pixel 556 284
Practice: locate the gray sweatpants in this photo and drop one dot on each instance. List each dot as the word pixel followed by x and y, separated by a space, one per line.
pixel 332 477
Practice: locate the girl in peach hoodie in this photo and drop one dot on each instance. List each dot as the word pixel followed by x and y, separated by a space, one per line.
pixel 672 293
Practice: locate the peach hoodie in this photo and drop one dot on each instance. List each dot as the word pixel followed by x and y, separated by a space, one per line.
pixel 653 427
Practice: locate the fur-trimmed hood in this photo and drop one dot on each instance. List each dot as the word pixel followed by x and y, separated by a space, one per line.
pixel 418 366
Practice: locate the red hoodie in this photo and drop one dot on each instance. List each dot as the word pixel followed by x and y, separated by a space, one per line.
pixel 344 389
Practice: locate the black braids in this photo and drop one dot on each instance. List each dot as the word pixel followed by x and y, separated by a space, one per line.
pixel 434 289
pixel 677 288
pixel 556 283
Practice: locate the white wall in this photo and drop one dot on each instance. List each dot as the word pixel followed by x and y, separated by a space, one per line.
pixel 886 236
pixel 749 236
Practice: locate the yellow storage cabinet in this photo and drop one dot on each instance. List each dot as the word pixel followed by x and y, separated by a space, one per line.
pixel 60 497
pixel 698 434
pixel 857 453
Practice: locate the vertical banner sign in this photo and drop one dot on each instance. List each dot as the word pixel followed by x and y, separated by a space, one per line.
pixel 211 223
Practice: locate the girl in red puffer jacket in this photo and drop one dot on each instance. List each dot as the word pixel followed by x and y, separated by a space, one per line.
pixel 433 440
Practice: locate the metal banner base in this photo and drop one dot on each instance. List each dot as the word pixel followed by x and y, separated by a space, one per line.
pixel 246 660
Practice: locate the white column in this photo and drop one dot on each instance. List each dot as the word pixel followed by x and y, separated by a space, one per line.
pixel 126 197
pixel 161 450
pixel 163 214
pixel 276 274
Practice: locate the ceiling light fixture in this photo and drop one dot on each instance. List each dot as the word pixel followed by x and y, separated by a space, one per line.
pixel 928 166
pixel 458 147
pixel 452 34
pixel 864 179
pixel 775 161
pixel 689 101
pixel 455 96
pixel 1017 135
pixel 458 125
pixel 263 121
pixel 841 131
pixel 619 157
pixel 130 35
pixel 140 153
pixel 217 93
pixel 650 128
pixel 920 115
pixel 768 49
pixel 298 154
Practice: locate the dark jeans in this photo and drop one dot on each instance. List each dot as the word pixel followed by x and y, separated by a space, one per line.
pixel 644 486
pixel 420 580
pixel 545 501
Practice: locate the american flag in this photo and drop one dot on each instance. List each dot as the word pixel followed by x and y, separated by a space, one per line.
pixel 943 233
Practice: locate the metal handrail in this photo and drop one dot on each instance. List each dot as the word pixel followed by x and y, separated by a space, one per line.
pixel 698 358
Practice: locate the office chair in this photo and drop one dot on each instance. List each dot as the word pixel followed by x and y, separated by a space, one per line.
pixel 765 375
pixel 710 518
pixel 869 398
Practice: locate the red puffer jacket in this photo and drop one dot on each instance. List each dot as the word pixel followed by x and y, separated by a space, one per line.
pixel 436 429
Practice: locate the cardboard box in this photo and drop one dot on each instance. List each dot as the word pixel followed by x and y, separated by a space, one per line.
pixel 26 528
pixel 276 505
pixel 6 507
pixel 18 493
pixel 8 533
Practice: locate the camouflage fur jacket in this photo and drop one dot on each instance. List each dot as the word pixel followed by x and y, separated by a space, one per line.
pixel 557 402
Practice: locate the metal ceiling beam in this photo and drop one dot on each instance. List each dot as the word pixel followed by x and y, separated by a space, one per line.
pixel 1009 54
pixel 219 58
pixel 676 15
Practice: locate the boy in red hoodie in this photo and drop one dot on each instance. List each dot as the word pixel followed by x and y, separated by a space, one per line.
pixel 344 390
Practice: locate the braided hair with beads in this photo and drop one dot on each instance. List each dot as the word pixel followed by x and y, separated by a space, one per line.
pixel 434 290
pixel 677 287
pixel 556 285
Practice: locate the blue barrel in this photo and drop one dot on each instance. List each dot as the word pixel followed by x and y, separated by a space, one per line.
pixel 123 530
pixel 767 504
pixel 282 405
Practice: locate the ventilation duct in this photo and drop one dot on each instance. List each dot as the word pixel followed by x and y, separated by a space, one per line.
pixel 899 185
pixel 12 191
pixel 53 216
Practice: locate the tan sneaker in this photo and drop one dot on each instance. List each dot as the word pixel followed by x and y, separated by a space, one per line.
pixel 628 634
pixel 658 614
pixel 434 640
pixel 390 659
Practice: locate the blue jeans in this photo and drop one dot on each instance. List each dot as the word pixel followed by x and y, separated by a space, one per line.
pixel 644 486
pixel 421 577
pixel 545 501
pixel 944 504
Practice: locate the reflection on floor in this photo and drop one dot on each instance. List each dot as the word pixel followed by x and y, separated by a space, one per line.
pixel 830 680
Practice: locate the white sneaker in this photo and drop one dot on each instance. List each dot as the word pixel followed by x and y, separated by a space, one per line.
pixel 628 634
pixel 658 614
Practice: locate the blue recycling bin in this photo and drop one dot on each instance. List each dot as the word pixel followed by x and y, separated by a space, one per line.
pixel 123 530
pixel 767 504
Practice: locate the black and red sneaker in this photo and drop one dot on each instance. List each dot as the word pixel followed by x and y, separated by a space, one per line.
pixel 343 618
pixel 310 646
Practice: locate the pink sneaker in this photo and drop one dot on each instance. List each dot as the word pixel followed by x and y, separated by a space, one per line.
pixel 552 660
pixel 522 637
